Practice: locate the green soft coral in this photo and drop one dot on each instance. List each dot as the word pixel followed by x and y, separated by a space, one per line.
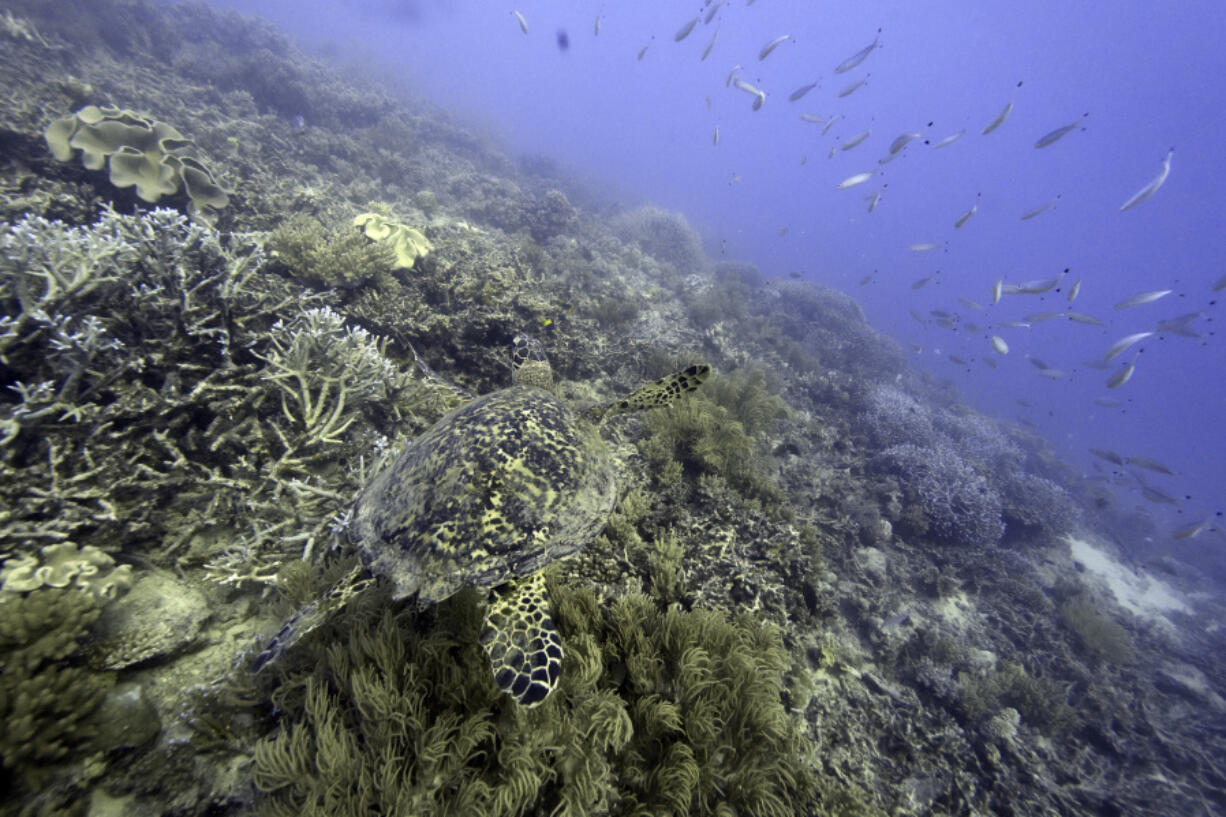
pixel 661 711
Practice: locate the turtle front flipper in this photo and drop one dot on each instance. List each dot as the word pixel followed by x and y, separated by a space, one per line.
pixel 519 636
pixel 659 392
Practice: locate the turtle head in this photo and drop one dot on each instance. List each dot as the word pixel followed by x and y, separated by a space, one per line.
pixel 529 363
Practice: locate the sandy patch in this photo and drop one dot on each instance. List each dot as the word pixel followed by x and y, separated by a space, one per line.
pixel 1139 593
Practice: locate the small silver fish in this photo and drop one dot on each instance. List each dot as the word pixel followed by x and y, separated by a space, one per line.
pixel 852 88
pixel 1151 188
pixel 715 137
pixel 855 140
pixel 1109 456
pixel 1142 298
pixel 949 140
pixel 965 217
pixel 706 52
pixel 715 7
pixel 1038 211
pixel 1150 465
pixel 1122 376
pixel 903 140
pixel 873 200
pixel 1122 344
pixel 852 181
pixel 999 120
pixel 772 45
pixel 812 117
pixel 1079 317
pixel 924 246
pixel 643 52
pixel 1074 291
pixel 858 57
pixel 1193 530
pixel 998 343
pixel 685 30
pixel 801 91
pixel 596 27
pixel 1058 134
pixel 830 123
pixel 998 289
pixel 523 24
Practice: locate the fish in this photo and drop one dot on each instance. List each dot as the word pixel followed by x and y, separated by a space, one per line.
pixel 1122 344
pixel 866 280
pixel 801 91
pixel 989 362
pixel 523 24
pixel 834 151
pixel 956 360
pixel 965 217
pixel 783 232
pixel 1037 287
pixel 1053 374
pixel 852 181
pixel 1148 190
pixel 1038 364
pixel 1179 325
pixel 1015 324
pixel 1157 496
pixel 853 87
pixel 596 27
pixel 998 343
pixel 1074 290
pixel 858 57
pixel 1122 376
pixel 715 137
pixel 1193 530
pixel 873 200
pixel 746 87
pixel 759 100
pixel 1109 456
pixel 969 304
pixel 772 45
pixel 921 283
pixel 886 159
pixel 938 313
pixel 706 52
pixel 918 317
pixel 925 246
pixel 856 140
pixel 1099 365
pixel 998 290
pixel 1142 298
pixel 1219 284
pixel 1149 465
pixel 999 120
pixel 1038 211
pixel 1079 317
pixel 732 76
pixel 711 12
pixel 830 123
pixel 949 140
pixel 812 117
pixel 903 140
pixel 685 30
pixel 1059 133
pixel 1042 317
pixel 643 52
pixel 1107 402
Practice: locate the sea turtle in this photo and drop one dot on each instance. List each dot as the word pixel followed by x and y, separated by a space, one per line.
pixel 485 498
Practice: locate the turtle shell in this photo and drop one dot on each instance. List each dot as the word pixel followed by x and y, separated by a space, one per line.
pixel 494 490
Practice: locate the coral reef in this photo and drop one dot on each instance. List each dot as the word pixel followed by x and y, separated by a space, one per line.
pixel 406 243
pixel 662 711
pixel 65 565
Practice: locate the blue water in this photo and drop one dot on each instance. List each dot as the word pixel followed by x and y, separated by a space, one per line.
pixel 1147 74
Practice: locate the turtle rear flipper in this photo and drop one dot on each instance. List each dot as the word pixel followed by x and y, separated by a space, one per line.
pixel 310 616
pixel 522 642
pixel 659 392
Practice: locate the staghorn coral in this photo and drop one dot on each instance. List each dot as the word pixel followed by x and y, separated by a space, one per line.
pixel 958 504
pixel 138 152
pixel 890 416
pixel 660 711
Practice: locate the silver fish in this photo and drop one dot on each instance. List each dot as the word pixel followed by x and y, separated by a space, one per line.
pixel 1109 456
pixel 1038 211
pixel 1142 298
pixel 801 91
pixel 1058 134
pixel 711 12
pixel 1080 317
pixel 924 246
pixel 873 200
pixel 1151 188
pixel 858 57
pixel 812 117
pixel 949 140
pixel 856 140
pixel 1074 290
pixel 965 217
pixel 998 343
pixel 1122 376
pixel 772 45
pixel 903 140
pixel 1150 465
pixel 852 181
pixel 855 86
pixel 685 30
pixel 715 137
pixel 706 52
pixel 523 24
pixel 999 120
pixel 1122 344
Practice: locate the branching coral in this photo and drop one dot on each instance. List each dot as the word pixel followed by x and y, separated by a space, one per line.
pixel 959 504
pixel 660 711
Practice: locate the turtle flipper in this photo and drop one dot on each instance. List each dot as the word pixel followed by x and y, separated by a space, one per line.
pixel 658 392
pixel 524 647
pixel 310 616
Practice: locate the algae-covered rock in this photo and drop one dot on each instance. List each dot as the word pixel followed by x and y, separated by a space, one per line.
pixel 159 617
pixel 125 719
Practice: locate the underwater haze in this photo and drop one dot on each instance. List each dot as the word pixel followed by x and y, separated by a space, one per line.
pixel 625 101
